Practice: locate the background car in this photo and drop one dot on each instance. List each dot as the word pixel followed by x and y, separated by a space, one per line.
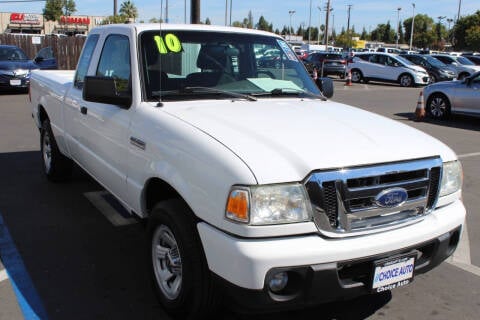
pixel 462 65
pixel 461 96
pixel 437 70
pixel 332 63
pixel 387 67
pixel 474 58
pixel 45 59
pixel 15 68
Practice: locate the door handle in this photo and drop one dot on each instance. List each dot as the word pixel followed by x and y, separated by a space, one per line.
pixel 83 110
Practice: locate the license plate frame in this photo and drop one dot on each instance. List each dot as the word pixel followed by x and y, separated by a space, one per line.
pixel 15 82
pixel 393 272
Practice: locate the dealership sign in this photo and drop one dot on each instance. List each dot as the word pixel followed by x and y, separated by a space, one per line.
pixel 24 18
pixel 74 20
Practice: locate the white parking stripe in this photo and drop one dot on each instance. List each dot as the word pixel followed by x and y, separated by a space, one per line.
pixel 3 275
pixel 461 257
pixel 469 155
pixel 112 214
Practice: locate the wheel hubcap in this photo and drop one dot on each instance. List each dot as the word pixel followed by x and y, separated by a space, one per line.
pixel 438 107
pixel 355 76
pixel 406 81
pixel 167 263
pixel 47 151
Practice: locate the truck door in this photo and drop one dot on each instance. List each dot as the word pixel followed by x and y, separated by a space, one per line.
pixel 104 141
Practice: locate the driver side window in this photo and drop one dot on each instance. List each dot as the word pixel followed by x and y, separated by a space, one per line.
pixel 115 61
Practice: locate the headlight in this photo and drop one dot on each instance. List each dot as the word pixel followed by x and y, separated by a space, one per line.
pixel 452 178
pixel 269 204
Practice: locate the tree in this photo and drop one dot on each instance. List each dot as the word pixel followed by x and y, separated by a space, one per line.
pixel 120 18
pixel 464 32
pixel 423 31
pixel 207 21
pixel 263 24
pixel 69 7
pixel 53 10
pixel 129 10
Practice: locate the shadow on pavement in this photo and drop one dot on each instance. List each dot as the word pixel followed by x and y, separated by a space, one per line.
pixel 455 121
pixel 83 267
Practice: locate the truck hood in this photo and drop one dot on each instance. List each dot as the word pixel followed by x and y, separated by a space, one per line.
pixel 285 139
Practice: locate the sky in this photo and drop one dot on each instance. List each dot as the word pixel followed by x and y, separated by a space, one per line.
pixel 364 13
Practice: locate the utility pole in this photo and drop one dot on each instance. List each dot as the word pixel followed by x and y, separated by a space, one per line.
pixel 291 12
pixel 195 11
pixel 166 11
pixel 325 38
pixel 226 11
pixel 230 13
pixel 348 27
pixel 114 8
pixel 413 24
pixel 310 21
pixel 398 26
pixel 459 8
pixel 319 24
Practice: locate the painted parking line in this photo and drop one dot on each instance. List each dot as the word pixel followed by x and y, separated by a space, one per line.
pixel 469 155
pixel 27 297
pixel 110 208
pixel 3 275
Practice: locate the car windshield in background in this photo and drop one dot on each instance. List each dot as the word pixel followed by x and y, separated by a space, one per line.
pixel 435 62
pixel 12 54
pixel 465 61
pixel 405 61
pixel 178 64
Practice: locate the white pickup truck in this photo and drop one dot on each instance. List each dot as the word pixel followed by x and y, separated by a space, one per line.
pixel 254 185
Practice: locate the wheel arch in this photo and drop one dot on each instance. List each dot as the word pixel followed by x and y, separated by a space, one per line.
pixel 406 74
pixel 155 191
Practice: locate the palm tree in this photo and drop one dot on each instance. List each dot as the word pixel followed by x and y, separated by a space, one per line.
pixel 128 9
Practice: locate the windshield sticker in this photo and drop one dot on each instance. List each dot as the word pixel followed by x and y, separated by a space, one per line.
pixel 168 43
pixel 286 49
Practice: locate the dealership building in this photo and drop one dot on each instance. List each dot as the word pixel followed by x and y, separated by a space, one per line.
pixel 33 23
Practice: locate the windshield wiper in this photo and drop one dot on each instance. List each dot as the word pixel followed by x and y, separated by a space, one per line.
pixel 291 91
pixel 188 90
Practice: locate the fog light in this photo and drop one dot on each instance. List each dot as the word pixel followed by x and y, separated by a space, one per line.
pixel 278 282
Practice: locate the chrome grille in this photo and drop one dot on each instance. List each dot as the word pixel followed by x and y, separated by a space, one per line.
pixel 345 200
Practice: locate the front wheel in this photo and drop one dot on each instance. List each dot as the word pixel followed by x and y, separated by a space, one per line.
pixel 406 80
pixel 181 278
pixel 56 166
pixel 438 106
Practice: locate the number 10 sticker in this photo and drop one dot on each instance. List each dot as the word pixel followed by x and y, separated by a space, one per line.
pixel 168 43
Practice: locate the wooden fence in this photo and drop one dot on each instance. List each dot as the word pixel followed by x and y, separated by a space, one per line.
pixel 66 49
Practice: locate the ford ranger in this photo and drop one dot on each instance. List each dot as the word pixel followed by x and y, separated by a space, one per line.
pixel 254 186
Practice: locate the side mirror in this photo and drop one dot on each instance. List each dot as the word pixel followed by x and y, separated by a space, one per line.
pixel 38 59
pixel 106 90
pixel 454 64
pixel 326 86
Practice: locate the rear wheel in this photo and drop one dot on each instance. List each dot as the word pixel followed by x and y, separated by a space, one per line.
pixel 438 106
pixel 182 280
pixel 357 75
pixel 463 75
pixel 57 167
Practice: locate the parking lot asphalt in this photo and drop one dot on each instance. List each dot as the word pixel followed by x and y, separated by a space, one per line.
pixel 72 262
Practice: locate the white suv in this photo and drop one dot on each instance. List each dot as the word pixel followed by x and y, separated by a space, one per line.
pixel 386 68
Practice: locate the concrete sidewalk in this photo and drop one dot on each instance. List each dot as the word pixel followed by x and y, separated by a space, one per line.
pixel 9 308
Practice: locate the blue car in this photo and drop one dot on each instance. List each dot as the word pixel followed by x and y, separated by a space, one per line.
pixel 15 68
pixel 45 59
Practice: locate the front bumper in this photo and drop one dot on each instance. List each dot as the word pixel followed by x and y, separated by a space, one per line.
pixel 320 263
pixel 422 79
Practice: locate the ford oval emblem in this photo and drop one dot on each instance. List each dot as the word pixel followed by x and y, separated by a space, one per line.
pixel 391 198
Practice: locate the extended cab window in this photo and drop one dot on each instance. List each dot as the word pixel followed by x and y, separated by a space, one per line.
pixel 84 61
pixel 115 61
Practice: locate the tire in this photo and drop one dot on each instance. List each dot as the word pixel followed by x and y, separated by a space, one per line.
pixel 56 166
pixel 438 106
pixel 463 75
pixel 433 78
pixel 406 80
pixel 180 275
pixel 357 76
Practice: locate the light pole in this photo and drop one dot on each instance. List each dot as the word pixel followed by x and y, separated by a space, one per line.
pixel 230 13
pixel 310 21
pixel 291 12
pixel 459 7
pixel 398 26
pixel 226 11
pixel 319 24
pixel 413 24
pixel 325 38
pixel 348 27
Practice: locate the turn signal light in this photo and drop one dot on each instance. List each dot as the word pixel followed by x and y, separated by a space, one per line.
pixel 237 206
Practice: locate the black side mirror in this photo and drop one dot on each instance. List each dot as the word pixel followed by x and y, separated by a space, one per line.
pixel 38 59
pixel 326 86
pixel 106 90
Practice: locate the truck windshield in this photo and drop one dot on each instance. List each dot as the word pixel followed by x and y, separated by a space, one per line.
pixel 175 64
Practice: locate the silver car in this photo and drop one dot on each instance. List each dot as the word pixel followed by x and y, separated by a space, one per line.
pixel 461 96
